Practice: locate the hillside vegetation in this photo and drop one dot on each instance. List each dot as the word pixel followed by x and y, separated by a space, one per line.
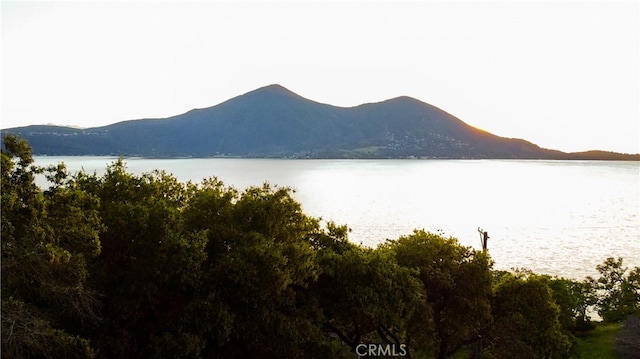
pixel 275 122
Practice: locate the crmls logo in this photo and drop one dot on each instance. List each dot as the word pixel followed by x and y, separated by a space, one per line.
pixel 379 350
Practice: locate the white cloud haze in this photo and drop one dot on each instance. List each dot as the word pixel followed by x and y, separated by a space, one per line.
pixel 563 75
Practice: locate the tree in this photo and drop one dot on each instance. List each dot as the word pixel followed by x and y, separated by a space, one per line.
pixel 617 290
pixel 364 294
pixel 123 265
pixel 574 299
pixel 47 239
pixel 525 319
pixel 260 264
pixel 457 281
pixel 149 266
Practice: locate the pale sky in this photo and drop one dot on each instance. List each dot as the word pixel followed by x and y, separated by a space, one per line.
pixel 561 74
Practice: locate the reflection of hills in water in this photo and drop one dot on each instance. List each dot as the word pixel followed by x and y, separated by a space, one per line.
pixel 275 122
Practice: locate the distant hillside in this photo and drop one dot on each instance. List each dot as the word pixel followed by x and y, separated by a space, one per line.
pixel 275 122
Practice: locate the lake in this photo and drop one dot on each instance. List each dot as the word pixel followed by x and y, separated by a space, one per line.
pixel 555 217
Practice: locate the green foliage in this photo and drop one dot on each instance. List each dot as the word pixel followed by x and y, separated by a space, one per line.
pixel 617 290
pixel 123 265
pixel 47 239
pixel 260 261
pixel 27 333
pixel 457 280
pixel 149 266
pixel 574 300
pixel 526 319
pixel 365 295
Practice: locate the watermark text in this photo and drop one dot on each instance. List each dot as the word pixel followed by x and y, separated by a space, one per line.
pixel 381 350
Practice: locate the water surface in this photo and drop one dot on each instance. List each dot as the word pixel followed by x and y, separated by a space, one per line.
pixel 555 217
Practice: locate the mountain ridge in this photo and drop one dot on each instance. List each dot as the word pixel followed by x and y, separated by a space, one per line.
pixel 273 121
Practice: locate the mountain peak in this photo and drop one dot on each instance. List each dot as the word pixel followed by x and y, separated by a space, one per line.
pixel 404 100
pixel 276 89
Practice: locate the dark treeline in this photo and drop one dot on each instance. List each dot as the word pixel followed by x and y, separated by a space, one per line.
pixel 128 266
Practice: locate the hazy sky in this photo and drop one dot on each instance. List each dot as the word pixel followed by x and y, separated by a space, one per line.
pixel 563 75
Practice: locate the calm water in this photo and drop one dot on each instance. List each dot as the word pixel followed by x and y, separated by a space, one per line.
pixel 555 217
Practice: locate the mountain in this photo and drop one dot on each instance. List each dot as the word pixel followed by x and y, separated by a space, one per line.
pixel 275 122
